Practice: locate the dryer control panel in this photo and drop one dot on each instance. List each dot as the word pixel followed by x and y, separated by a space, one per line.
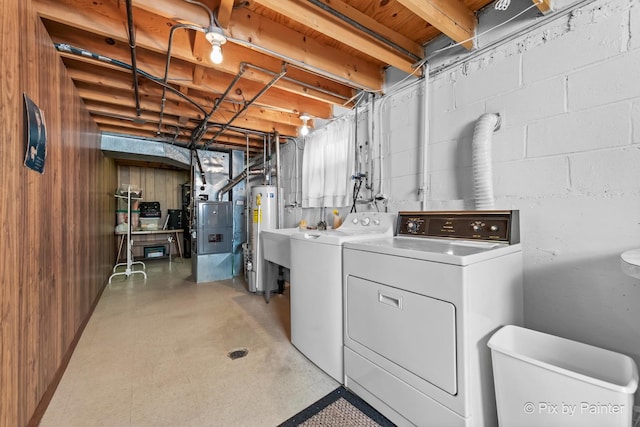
pixel 494 226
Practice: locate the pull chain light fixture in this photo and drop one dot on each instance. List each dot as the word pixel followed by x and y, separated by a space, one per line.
pixel 213 34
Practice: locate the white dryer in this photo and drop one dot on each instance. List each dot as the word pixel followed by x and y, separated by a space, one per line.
pixel 316 286
pixel 420 308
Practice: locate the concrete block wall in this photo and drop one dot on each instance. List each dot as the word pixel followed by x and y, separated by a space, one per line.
pixel 292 155
pixel 567 156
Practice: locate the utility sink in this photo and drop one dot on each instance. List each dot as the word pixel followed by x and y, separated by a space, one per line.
pixel 630 263
pixel 275 245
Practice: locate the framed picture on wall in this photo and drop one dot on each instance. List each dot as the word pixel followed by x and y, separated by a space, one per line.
pixel 36 136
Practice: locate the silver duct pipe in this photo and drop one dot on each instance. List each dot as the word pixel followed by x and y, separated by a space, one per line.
pixel 482 171
pixel 238 179
pixel 266 179
pixel 234 181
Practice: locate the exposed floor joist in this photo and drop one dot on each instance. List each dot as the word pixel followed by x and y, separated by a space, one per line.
pixel 331 50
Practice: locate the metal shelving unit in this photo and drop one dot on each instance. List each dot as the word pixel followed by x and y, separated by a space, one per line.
pixel 130 262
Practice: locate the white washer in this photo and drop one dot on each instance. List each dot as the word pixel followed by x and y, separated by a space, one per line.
pixel 420 308
pixel 316 286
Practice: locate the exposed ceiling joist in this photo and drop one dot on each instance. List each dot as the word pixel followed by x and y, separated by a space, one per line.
pixel 153 35
pixel 451 17
pixel 268 35
pixel 332 27
pixel 224 13
pixel 544 5
pixel 370 23
pixel 212 81
pixel 331 51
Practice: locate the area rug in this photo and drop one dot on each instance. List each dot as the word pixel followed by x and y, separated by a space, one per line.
pixel 340 408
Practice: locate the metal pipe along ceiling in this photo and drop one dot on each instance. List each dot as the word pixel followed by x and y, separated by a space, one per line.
pixel 166 66
pixel 280 199
pixel 298 64
pixel 132 46
pixel 248 103
pixel 202 128
pixel 364 29
pixel 63 47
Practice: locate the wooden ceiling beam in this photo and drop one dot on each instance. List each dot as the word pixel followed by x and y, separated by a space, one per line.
pixel 151 104
pixel 121 81
pixel 451 17
pixel 152 33
pixel 271 36
pixel 224 13
pixel 545 6
pixel 330 26
pixel 125 113
pixel 373 25
pixel 182 74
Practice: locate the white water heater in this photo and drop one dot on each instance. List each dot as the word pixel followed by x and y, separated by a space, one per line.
pixel 263 216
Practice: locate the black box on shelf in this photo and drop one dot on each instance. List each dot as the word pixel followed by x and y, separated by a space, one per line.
pixel 155 251
pixel 150 210
pixel 174 221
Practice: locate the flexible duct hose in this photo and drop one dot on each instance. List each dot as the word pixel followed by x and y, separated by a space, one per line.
pixel 482 173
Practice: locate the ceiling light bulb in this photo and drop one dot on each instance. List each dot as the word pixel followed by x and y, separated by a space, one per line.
pixel 215 36
pixel 216 53
pixel 304 130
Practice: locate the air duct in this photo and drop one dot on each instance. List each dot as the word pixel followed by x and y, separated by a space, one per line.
pixel 482 171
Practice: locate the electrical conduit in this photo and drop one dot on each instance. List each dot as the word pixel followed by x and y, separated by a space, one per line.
pixel 482 172
pixel 425 137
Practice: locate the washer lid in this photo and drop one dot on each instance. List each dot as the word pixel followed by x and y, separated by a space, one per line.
pixel 456 252
pixel 339 237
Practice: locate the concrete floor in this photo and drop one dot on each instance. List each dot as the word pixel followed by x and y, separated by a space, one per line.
pixel 155 353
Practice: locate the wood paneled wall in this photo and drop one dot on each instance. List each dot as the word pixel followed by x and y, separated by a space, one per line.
pixel 158 185
pixel 56 233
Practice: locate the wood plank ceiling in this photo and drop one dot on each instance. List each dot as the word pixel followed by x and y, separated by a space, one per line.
pixel 282 58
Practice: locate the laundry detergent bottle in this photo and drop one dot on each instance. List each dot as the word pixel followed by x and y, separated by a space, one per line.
pixel 337 219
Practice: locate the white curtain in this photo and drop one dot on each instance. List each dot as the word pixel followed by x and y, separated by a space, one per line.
pixel 328 163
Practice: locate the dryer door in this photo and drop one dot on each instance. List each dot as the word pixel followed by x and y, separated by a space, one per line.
pixel 413 331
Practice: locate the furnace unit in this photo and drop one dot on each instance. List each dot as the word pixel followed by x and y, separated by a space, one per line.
pixel 211 246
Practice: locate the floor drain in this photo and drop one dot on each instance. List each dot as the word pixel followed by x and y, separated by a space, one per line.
pixel 237 354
